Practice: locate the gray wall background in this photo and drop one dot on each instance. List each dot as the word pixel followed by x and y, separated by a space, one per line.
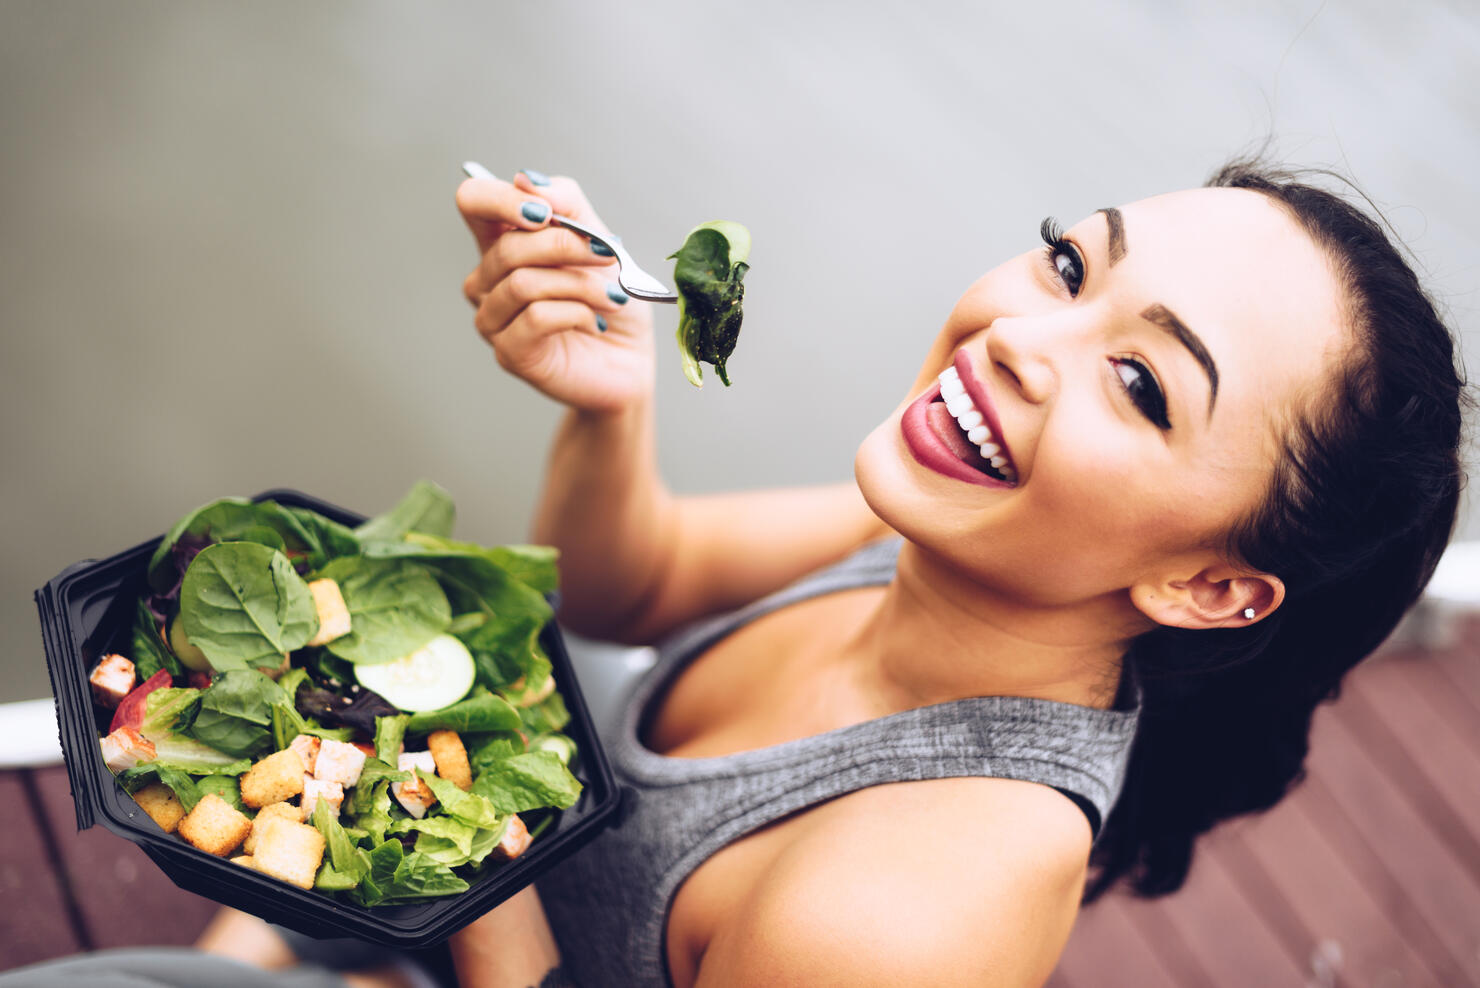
pixel 229 258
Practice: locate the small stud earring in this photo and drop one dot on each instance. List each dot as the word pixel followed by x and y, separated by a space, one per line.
pixel 1248 613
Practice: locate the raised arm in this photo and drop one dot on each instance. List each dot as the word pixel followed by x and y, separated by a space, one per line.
pixel 636 561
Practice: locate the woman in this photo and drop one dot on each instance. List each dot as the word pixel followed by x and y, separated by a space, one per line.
pixel 1197 456
pixel 1225 425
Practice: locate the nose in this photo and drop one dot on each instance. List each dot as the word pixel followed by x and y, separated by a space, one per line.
pixel 1021 349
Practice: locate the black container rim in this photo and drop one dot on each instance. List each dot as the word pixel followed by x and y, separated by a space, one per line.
pixel 74 609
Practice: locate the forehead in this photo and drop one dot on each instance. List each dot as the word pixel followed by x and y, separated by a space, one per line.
pixel 1239 270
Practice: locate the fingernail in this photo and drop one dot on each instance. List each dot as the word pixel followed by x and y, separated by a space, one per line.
pixel 535 212
pixel 615 293
pixel 601 250
pixel 600 324
pixel 536 178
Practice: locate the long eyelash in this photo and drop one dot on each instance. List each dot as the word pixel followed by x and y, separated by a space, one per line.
pixel 1052 232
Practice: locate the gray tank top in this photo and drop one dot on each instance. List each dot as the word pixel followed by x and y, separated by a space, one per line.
pixel 608 904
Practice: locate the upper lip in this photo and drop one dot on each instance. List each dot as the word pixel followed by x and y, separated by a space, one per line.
pixel 978 395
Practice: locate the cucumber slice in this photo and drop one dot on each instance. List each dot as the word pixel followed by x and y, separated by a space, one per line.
pixel 435 675
pixel 190 656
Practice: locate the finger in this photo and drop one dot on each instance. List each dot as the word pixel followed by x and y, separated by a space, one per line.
pixel 489 206
pixel 523 345
pixel 548 248
pixel 525 286
pixel 562 193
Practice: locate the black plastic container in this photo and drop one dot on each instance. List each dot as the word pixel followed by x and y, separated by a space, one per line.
pixel 86 612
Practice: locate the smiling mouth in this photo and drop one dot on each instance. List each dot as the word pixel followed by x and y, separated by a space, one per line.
pixel 957 422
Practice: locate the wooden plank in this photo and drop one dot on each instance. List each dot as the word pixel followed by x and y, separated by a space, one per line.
pixel 124 899
pixel 1398 858
pixel 1422 756
pixel 1222 927
pixel 35 923
pixel 1106 950
pixel 1338 917
pixel 1461 664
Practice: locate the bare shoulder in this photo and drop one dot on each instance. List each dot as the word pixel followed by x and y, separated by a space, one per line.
pixel 951 881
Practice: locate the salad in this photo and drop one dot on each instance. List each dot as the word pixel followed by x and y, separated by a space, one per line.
pixel 363 711
pixel 709 271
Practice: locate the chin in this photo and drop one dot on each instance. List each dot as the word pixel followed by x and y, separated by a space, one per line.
pixel 891 484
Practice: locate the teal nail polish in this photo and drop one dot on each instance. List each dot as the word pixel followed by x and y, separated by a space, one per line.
pixel 601 250
pixel 615 293
pixel 600 324
pixel 536 178
pixel 535 212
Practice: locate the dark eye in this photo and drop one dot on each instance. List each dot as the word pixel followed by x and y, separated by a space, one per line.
pixel 1143 390
pixel 1063 257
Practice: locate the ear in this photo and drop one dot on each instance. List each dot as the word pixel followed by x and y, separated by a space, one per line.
pixel 1218 596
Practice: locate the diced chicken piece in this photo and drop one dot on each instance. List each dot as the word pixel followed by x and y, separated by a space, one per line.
pixel 274 811
pixel 333 614
pixel 317 789
pixel 414 795
pixel 339 761
pixel 215 826
pixel 125 748
pixel 112 680
pixel 516 839
pixel 307 747
pixel 163 806
pixel 275 778
pixel 290 851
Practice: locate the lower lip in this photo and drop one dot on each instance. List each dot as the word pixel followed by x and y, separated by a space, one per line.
pixel 933 454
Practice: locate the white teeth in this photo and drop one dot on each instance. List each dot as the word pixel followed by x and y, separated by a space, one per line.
pixel 990 450
pixel 997 461
pixel 951 388
pixel 970 420
pixel 1010 474
pixel 958 405
pixel 950 374
pixel 979 434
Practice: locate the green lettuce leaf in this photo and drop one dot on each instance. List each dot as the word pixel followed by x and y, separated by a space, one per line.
pixel 341 850
pixel 395 607
pixel 235 713
pixel 425 508
pixel 469 807
pixel 243 605
pixel 527 782
pixel 179 781
pixel 709 273
pixel 147 648
pixel 328 539
pixel 389 734
pixel 228 787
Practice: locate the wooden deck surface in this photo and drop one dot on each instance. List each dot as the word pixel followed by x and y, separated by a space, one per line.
pixel 1368 875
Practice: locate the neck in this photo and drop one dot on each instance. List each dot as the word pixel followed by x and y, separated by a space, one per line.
pixel 936 635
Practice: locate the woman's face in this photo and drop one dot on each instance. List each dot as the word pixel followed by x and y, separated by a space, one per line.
pixel 1137 375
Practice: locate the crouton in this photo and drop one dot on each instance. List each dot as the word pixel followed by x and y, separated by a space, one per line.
pixel 273 779
pixel 515 841
pixel 333 614
pixel 125 748
pixel 112 680
pixel 273 811
pixel 339 762
pixel 163 806
pixel 245 860
pixel 451 758
pixel 319 789
pixel 414 795
pixel 290 851
pixel 215 826
pixel 307 747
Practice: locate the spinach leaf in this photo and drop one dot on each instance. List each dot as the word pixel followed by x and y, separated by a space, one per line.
pixel 481 711
pixel 288 723
pixel 147 648
pixel 180 783
pixel 243 605
pixel 532 565
pixel 230 519
pixel 527 782
pixel 709 273
pixel 395 607
pixel 327 538
pixel 236 713
pixel 425 508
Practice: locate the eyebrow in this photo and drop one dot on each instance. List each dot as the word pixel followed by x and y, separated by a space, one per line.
pixel 1165 318
pixel 1117 233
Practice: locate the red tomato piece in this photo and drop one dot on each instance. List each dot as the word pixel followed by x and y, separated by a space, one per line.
pixel 130 712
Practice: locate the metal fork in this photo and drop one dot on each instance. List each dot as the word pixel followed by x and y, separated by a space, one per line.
pixel 633 279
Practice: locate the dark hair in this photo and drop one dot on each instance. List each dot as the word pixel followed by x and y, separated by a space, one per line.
pixel 1362 503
